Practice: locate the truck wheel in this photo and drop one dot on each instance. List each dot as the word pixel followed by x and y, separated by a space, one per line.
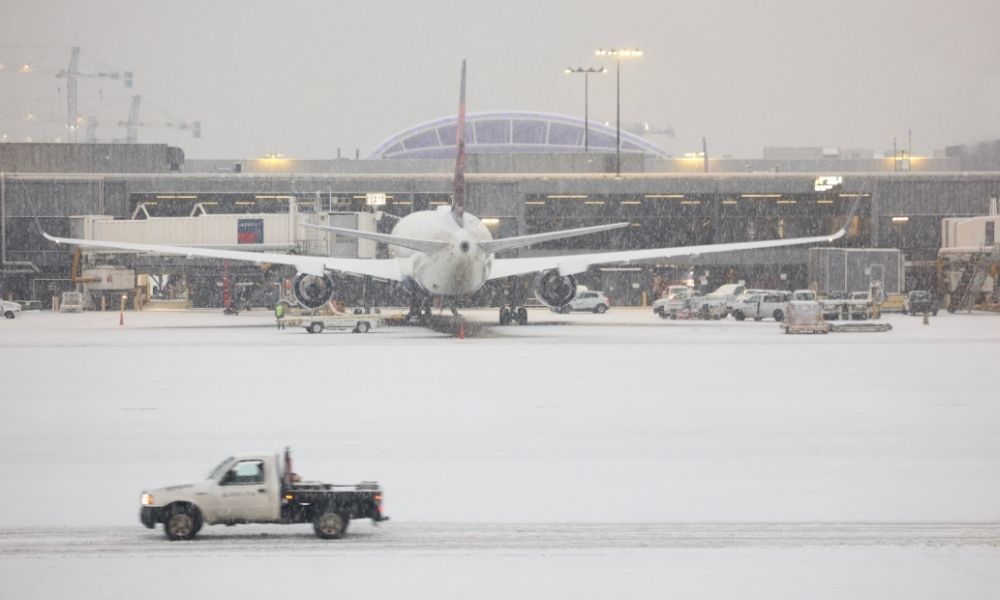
pixel 663 314
pixel 362 327
pixel 182 523
pixel 9 314
pixel 522 315
pixel 739 316
pixel 600 309
pixel 566 309
pixel 779 316
pixel 330 525
pixel 505 316
pixel 315 327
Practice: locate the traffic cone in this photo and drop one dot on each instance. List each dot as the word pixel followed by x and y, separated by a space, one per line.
pixel 461 331
pixel 121 319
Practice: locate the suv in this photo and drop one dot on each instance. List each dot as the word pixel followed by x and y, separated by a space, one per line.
pixel 9 309
pixel 592 301
pixel 764 305
pixel 919 302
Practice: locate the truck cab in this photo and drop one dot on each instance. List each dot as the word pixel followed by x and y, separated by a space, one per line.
pixel 258 488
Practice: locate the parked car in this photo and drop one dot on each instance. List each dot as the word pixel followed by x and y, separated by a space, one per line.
pixel 770 305
pixel 9 309
pixel 919 302
pixel 588 300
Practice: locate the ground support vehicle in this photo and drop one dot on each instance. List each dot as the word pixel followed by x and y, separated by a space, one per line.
pixel 919 302
pixel 259 488
pixel 71 302
pixel 857 307
pixel 764 305
pixel 859 327
pixel 319 321
pixel 677 305
pixel 804 316
pixel 9 310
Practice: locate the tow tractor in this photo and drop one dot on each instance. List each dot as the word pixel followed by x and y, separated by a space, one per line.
pixel 259 488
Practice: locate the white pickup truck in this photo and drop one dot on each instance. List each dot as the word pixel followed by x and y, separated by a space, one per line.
pixel 719 303
pixel 259 488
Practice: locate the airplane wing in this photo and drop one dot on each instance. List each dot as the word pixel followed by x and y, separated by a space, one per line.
pixel 578 263
pixel 537 238
pixel 389 268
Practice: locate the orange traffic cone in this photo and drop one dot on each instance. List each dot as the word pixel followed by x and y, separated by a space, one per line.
pixel 461 331
pixel 121 319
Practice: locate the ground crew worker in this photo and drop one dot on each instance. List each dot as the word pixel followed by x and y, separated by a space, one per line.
pixel 279 314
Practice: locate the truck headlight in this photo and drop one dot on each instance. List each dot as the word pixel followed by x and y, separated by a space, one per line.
pixel 146 500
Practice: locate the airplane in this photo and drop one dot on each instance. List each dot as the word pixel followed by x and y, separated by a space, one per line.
pixel 449 252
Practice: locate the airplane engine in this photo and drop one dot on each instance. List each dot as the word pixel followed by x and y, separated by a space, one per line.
pixel 312 291
pixel 554 291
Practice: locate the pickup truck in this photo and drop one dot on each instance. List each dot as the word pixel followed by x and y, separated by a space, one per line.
pixel 259 488
pixel 718 304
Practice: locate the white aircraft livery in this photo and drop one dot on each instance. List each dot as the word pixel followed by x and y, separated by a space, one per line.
pixel 449 252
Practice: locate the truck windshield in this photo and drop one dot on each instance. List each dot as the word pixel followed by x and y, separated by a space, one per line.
pixel 217 471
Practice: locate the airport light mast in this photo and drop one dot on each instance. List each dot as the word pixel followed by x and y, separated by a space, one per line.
pixel 586 92
pixel 618 53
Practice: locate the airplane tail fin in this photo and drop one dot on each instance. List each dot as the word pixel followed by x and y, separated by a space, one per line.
pixel 458 203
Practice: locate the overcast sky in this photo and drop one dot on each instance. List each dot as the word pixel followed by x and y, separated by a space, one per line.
pixel 304 78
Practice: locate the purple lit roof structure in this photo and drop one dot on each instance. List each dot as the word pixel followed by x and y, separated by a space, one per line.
pixel 509 132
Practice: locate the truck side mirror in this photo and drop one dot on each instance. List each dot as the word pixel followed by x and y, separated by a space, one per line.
pixel 229 477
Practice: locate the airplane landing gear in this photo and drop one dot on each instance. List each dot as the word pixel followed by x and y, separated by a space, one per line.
pixel 513 314
pixel 420 309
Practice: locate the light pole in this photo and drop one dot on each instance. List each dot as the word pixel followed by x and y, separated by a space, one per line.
pixel 586 87
pixel 618 53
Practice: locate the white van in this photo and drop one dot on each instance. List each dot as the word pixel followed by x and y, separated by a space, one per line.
pixel 764 305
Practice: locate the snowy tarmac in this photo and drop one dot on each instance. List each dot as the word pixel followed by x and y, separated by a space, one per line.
pixel 581 456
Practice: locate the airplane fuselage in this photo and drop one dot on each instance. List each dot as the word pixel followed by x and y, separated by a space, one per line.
pixel 460 268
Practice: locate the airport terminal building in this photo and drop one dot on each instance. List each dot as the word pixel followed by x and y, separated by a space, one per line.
pixel 527 173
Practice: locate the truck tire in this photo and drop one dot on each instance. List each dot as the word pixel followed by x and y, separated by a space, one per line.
pixel 664 315
pixel 522 316
pixel 182 522
pixel 9 314
pixel 315 327
pixel 779 316
pixel 362 327
pixel 566 309
pixel 329 525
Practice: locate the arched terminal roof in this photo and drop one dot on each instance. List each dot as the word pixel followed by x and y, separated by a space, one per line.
pixel 509 132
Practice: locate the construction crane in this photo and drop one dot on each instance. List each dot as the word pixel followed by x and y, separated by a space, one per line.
pixel 71 74
pixel 133 123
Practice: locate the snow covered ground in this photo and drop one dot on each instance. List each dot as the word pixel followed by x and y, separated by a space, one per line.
pixel 650 432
